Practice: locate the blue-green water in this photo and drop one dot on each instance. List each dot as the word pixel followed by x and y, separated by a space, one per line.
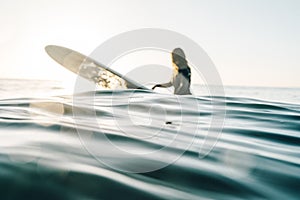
pixel 144 145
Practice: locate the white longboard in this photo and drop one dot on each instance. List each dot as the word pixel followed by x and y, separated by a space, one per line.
pixel 90 69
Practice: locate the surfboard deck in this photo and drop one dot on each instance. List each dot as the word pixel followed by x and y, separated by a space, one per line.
pixel 90 69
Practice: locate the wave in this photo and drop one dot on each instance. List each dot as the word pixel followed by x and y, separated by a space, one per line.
pixel 139 144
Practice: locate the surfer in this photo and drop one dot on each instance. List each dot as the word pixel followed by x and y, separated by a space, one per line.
pixel 181 79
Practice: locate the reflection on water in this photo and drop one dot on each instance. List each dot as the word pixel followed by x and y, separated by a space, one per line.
pixel 54 148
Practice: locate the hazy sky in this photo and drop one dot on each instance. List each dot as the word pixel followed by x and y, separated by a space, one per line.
pixel 251 42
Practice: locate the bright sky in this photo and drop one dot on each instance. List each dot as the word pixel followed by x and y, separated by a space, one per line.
pixel 251 42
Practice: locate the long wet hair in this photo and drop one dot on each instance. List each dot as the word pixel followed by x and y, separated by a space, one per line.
pixel 178 58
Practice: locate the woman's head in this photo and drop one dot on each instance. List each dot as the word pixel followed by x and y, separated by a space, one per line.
pixel 178 57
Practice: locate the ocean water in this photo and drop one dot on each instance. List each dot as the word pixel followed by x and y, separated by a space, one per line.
pixel 144 145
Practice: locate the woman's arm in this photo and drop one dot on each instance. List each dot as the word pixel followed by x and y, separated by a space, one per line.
pixel 164 85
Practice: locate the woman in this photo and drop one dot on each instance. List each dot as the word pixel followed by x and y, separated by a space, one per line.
pixel 181 79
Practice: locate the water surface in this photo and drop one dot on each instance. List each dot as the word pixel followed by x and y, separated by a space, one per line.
pixel 53 146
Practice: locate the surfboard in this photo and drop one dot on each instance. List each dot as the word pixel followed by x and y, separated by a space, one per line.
pixel 90 69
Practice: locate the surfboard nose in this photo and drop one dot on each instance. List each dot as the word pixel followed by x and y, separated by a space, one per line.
pixel 66 57
pixel 57 53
